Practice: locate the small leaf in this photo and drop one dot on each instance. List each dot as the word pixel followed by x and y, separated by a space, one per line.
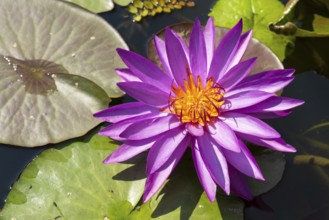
pixel 72 182
pixel 256 15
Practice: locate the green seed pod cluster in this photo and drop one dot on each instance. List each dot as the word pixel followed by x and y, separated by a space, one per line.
pixel 142 8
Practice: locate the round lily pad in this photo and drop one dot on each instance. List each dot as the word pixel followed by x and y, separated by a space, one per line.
pixel 56 69
pixel 272 164
pixel 71 182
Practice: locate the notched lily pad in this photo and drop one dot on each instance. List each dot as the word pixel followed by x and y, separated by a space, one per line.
pixel 56 69
pixel 71 182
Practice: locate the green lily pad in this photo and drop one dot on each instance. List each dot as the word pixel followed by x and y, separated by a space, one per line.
pixel 182 197
pixel 96 6
pixel 272 165
pixel 231 207
pixel 40 40
pixel 122 2
pixel 256 15
pixel 71 182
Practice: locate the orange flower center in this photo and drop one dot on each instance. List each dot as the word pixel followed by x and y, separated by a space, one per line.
pixel 194 103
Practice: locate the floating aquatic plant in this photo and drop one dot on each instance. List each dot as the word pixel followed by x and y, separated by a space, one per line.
pixel 204 100
pixel 142 8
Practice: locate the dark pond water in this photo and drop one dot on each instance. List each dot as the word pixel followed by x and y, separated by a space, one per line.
pixel 303 192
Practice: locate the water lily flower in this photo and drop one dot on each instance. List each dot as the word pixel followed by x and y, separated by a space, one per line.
pixel 203 100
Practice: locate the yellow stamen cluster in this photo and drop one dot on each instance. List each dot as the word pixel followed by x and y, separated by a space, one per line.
pixel 195 103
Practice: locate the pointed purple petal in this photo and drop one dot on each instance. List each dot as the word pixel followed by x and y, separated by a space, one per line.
pixel 270 74
pixel 129 149
pixel 195 130
pixel 239 184
pixel 160 46
pixel 225 52
pixel 275 144
pixel 176 56
pixel 145 70
pixel 248 125
pixel 163 148
pixel 125 111
pixel 127 75
pixel 150 127
pixel 215 162
pixel 157 179
pixel 205 178
pixel 209 36
pixel 184 46
pixel 146 93
pixel 114 130
pixel 198 56
pixel 242 47
pixel 244 162
pixel 267 85
pixel 273 104
pixel 244 99
pixel 224 136
pixel 236 74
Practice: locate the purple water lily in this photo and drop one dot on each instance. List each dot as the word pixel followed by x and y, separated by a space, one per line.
pixel 204 100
